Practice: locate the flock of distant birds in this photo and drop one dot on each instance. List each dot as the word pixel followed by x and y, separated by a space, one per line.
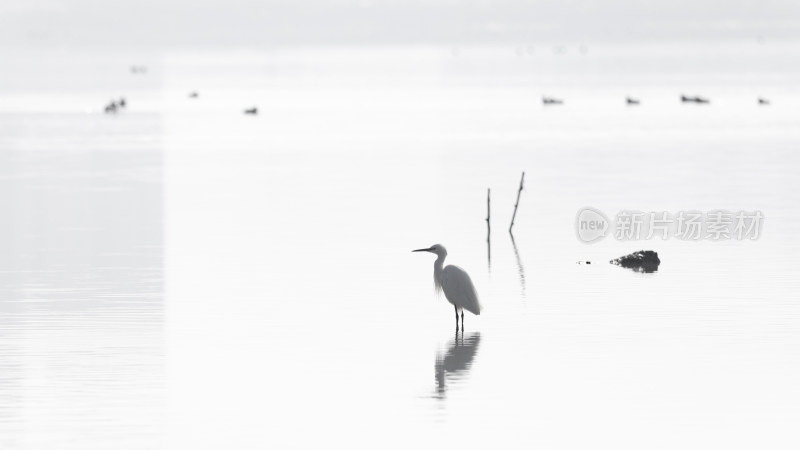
pixel 115 105
pixel 635 101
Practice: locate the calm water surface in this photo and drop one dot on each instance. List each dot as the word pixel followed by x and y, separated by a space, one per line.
pixel 184 276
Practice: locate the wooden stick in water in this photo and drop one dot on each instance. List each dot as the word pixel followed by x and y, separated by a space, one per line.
pixel 488 210
pixel 521 182
pixel 489 229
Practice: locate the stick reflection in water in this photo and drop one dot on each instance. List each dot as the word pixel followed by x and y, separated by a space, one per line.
pixel 520 267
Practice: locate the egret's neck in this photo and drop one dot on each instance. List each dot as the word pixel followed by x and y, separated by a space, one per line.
pixel 437 272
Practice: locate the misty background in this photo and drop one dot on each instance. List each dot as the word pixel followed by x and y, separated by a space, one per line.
pixel 181 23
pixel 179 274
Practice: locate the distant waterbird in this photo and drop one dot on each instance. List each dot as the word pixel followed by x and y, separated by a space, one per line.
pixel 695 99
pixel 111 108
pixel 631 101
pixel 552 101
pixel 455 282
pixel 763 101
pixel 252 111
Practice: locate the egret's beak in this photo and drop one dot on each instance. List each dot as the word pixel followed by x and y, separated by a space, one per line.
pixel 422 250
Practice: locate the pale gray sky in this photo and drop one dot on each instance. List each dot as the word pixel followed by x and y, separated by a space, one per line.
pixel 276 22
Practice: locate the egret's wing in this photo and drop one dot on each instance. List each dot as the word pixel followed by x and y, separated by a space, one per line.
pixel 458 288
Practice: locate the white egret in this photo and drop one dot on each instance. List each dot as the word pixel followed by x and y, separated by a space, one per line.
pixel 455 283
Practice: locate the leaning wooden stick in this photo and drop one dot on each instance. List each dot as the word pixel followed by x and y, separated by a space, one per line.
pixel 521 182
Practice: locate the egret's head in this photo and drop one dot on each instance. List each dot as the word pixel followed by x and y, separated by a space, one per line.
pixel 438 249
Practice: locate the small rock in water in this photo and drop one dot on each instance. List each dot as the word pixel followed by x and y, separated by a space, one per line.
pixel 642 261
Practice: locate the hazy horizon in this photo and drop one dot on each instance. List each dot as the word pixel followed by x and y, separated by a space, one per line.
pixel 180 23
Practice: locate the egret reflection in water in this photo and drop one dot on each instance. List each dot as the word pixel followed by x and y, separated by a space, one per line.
pixel 453 366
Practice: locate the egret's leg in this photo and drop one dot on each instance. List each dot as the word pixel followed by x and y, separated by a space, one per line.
pixel 456 308
pixel 462 320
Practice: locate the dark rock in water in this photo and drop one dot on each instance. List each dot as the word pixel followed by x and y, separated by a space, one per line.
pixel 642 261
